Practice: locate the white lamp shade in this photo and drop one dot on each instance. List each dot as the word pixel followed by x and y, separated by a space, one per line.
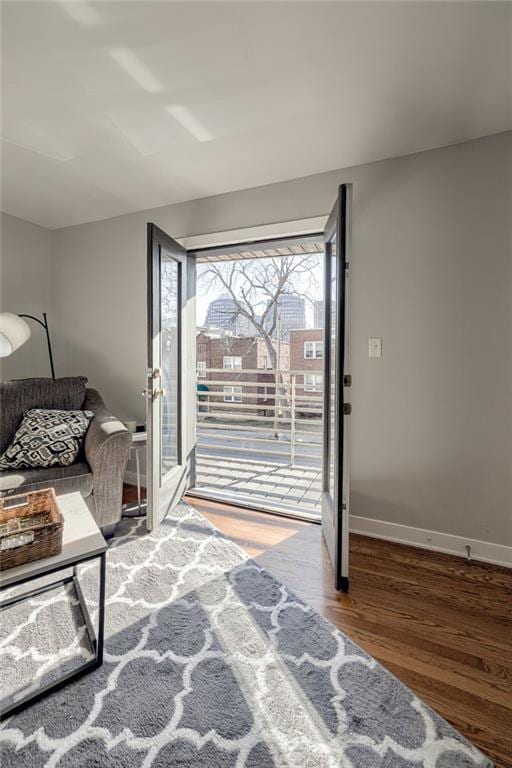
pixel 14 331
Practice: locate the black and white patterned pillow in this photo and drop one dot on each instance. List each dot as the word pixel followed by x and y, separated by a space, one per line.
pixel 47 438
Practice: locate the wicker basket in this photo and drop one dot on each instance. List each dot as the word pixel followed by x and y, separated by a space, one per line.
pixel 30 528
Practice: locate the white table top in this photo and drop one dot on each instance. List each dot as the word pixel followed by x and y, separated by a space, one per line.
pixel 139 437
pixel 81 538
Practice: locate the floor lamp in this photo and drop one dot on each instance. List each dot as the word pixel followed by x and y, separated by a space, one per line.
pixel 15 331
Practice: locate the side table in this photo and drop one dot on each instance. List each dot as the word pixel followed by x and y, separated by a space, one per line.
pixel 139 443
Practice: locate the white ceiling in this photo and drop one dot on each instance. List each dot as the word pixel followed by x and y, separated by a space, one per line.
pixel 111 107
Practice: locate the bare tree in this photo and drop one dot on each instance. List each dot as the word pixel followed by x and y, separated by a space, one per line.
pixel 259 284
pixel 256 287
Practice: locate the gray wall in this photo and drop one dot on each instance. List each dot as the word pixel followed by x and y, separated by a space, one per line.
pixel 431 274
pixel 26 286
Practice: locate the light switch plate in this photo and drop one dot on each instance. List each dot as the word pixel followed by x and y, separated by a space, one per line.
pixel 375 346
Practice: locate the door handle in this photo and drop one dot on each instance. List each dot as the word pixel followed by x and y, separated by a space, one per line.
pixel 146 392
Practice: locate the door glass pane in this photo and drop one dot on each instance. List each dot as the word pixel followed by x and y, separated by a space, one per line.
pixel 169 355
pixel 332 372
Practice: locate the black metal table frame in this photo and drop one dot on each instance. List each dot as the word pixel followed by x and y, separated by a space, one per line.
pixel 96 642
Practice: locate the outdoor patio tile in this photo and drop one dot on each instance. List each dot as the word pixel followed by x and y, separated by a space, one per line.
pixel 291 488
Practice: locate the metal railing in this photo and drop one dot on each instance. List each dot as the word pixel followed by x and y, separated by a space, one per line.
pixel 260 415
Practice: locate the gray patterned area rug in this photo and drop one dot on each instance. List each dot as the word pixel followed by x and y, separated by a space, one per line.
pixel 210 663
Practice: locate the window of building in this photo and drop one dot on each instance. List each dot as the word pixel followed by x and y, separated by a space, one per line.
pixel 264 362
pixel 313 350
pixel 312 382
pixel 232 363
pixel 232 394
pixel 201 369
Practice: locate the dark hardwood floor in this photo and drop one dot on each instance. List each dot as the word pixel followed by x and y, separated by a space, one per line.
pixel 441 625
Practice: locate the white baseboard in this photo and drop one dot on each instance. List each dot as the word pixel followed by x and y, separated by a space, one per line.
pixel 131 478
pixel 486 551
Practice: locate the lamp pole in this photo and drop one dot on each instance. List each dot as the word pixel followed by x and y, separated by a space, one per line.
pixel 44 324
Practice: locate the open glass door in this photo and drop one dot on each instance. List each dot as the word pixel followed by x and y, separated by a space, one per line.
pixel 335 475
pixel 171 374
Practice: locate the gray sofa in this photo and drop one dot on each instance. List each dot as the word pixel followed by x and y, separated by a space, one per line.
pixel 97 474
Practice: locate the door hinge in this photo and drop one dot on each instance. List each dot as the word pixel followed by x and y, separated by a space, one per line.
pixel 347 409
pixel 347 380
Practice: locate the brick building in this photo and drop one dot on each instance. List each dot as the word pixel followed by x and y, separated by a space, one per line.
pixel 231 357
pixel 307 356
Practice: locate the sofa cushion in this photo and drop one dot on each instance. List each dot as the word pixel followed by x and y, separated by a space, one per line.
pixel 76 477
pixel 16 397
pixel 47 438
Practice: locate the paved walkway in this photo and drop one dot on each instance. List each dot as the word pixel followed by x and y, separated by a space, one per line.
pixel 286 488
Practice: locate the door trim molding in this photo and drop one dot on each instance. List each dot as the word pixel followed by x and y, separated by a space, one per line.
pixel 258 232
pixel 436 541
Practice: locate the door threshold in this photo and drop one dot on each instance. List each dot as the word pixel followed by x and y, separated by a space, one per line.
pixel 247 502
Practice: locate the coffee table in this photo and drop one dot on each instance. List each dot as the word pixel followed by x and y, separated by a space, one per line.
pixel 82 541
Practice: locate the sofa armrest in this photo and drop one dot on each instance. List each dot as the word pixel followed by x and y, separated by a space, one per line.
pixel 107 445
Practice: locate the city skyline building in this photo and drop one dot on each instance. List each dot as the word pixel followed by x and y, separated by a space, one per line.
pixel 291 315
pixel 223 314
pixel 318 313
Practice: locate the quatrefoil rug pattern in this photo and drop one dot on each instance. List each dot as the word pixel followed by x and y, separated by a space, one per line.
pixel 210 663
